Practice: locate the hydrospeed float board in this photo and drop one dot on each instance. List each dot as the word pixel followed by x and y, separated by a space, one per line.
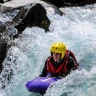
pixel 40 84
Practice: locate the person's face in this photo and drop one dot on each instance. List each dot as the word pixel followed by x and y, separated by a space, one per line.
pixel 56 56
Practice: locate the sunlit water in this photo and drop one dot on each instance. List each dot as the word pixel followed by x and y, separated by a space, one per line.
pixel 77 28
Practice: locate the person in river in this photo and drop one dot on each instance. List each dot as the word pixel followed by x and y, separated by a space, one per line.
pixel 60 63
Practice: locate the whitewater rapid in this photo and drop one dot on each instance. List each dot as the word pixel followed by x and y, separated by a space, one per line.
pixel 77 29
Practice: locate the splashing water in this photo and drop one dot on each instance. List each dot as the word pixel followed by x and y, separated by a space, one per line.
pixel 77 29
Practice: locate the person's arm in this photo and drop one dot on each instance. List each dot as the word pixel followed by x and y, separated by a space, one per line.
pixel 71 64
pixel 44 71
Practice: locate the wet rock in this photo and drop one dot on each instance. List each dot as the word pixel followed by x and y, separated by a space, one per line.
pixel 36 16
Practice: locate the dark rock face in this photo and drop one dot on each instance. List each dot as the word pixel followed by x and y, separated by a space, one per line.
pixel 70 3
pixel 36 16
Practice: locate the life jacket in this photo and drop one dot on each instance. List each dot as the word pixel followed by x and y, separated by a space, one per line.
pixel 62 68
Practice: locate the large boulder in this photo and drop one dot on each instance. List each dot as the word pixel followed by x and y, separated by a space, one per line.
pixel 28 16
pixel 36 16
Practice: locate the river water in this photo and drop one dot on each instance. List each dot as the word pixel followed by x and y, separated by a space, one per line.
pixel 77 29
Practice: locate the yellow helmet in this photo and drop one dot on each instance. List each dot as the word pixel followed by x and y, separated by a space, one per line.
pixel 58 47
